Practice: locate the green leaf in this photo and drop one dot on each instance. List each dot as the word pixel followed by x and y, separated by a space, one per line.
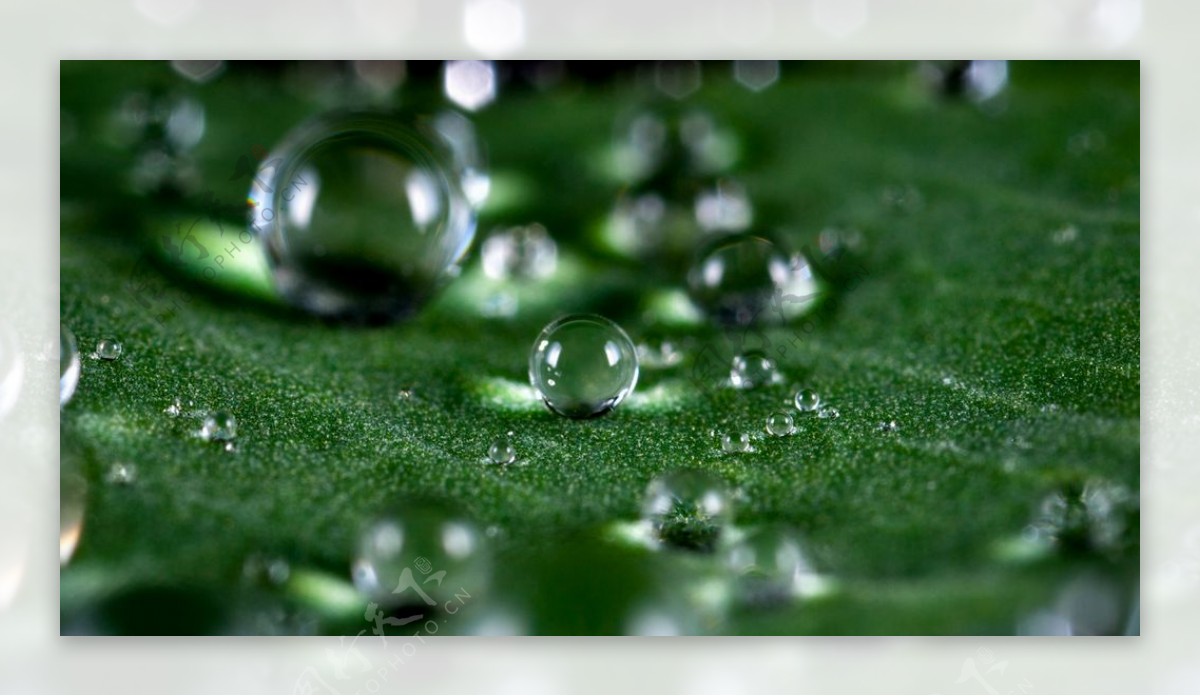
pixel 996 323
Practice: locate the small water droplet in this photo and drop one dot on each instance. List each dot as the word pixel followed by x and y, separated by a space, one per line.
pixel 404 394
pixel 688 508
pixel 807 401
pixel 525 252
pixel 219 425
pixel 174 409
pixel 735 443
pixel 888 427
pixel 68 365
pixel 502 452
pixel 583 366
pixel 230 447
pixel 108 349
pixel 780 425
pixel 829 412
pixel 122 474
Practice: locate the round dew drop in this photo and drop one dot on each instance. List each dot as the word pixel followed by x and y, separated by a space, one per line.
pixel 502 452
pixel 583 366
pixel 108 349
pixel 752 369
pixel 807 400
pixel 745 279
pixel 735 443
pixel 780 425
pixel 219 425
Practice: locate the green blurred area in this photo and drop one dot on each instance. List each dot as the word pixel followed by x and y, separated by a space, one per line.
pixel 1006 351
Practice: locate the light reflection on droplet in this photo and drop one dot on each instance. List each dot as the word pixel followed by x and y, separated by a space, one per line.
pixel 470 84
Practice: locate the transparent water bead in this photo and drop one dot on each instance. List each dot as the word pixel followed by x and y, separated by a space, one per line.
pixel 651 144
pixel 583 366
pixel 421 556
pixel 108 349
pixel 502 452
pixel 220 426
pixel 121 474
pixel 771 567
pixel 525 252
pixel 735 443
pixel 1097 515
pixel 745 279
pixel 807 400
pixel 688 508
pixel 362 214
pixel 780 425
pixel 68 365
pixel 752 369
pixel 889 426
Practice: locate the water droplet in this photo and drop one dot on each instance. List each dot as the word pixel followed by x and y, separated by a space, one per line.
pixel 724 207
pixel 174 409
pixel 502 452
pixel 977 80
pixel 688 508
pixel 261 568
pixel 780 425
pixel 752 369
pixel 421 556
pixel 72 499
pixel 1066 235
pixel 1094 516
pixel 68 365
pixel 362 215
pixel 651 145
pixel 756 75
pixel 121 474
pixel 404 394
pixel 665 355
pixel 807 401
pixel 219 425
pixel 470 84
pixel 888 427
pixel 583 366
pixel 829 412
pixel 108 349
pixel 230 447
pixel 525 252
pixel 745 279
pixel 735 443
pixel 771 567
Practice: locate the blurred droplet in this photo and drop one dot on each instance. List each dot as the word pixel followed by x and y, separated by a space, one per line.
pixel 756 75
pixel 471 84
pixel 678 79
pixel 381 77
pixel 772 567
pixel 753 369
pixel 724 207
pixel 121 474
pixel 220 426
pixel 524 252
pixel 688 508
pixel 745 279
pixel 199 71
pixel 460 135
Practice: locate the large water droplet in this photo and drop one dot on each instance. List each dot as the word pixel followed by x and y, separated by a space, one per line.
pixel 525 252
pixel 1094 516
pixel 583 365
pixel 362 215
pixel 68 365
pixel 421 557
pixel 108 349
pixel 688 508
pixel 752 369
pixel 746 279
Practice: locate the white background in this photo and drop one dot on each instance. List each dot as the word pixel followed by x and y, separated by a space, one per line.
pixel 34 36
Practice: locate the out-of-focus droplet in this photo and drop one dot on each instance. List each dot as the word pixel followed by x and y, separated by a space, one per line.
pixel 121 474
pixel 771 567
pixel 756 75
pixel 583 366
pixel 677 79
pixel 745 279
pixel 199 71
pixel 1095 516
pixel 977 80
pixel 724 207
pixel 525 252
pixel 220 426
pixel 421 557
pixel 363 216
pixel 1089 604
pixel 688 508
pixel 471 84
pixel 753 369
pixel 68 365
